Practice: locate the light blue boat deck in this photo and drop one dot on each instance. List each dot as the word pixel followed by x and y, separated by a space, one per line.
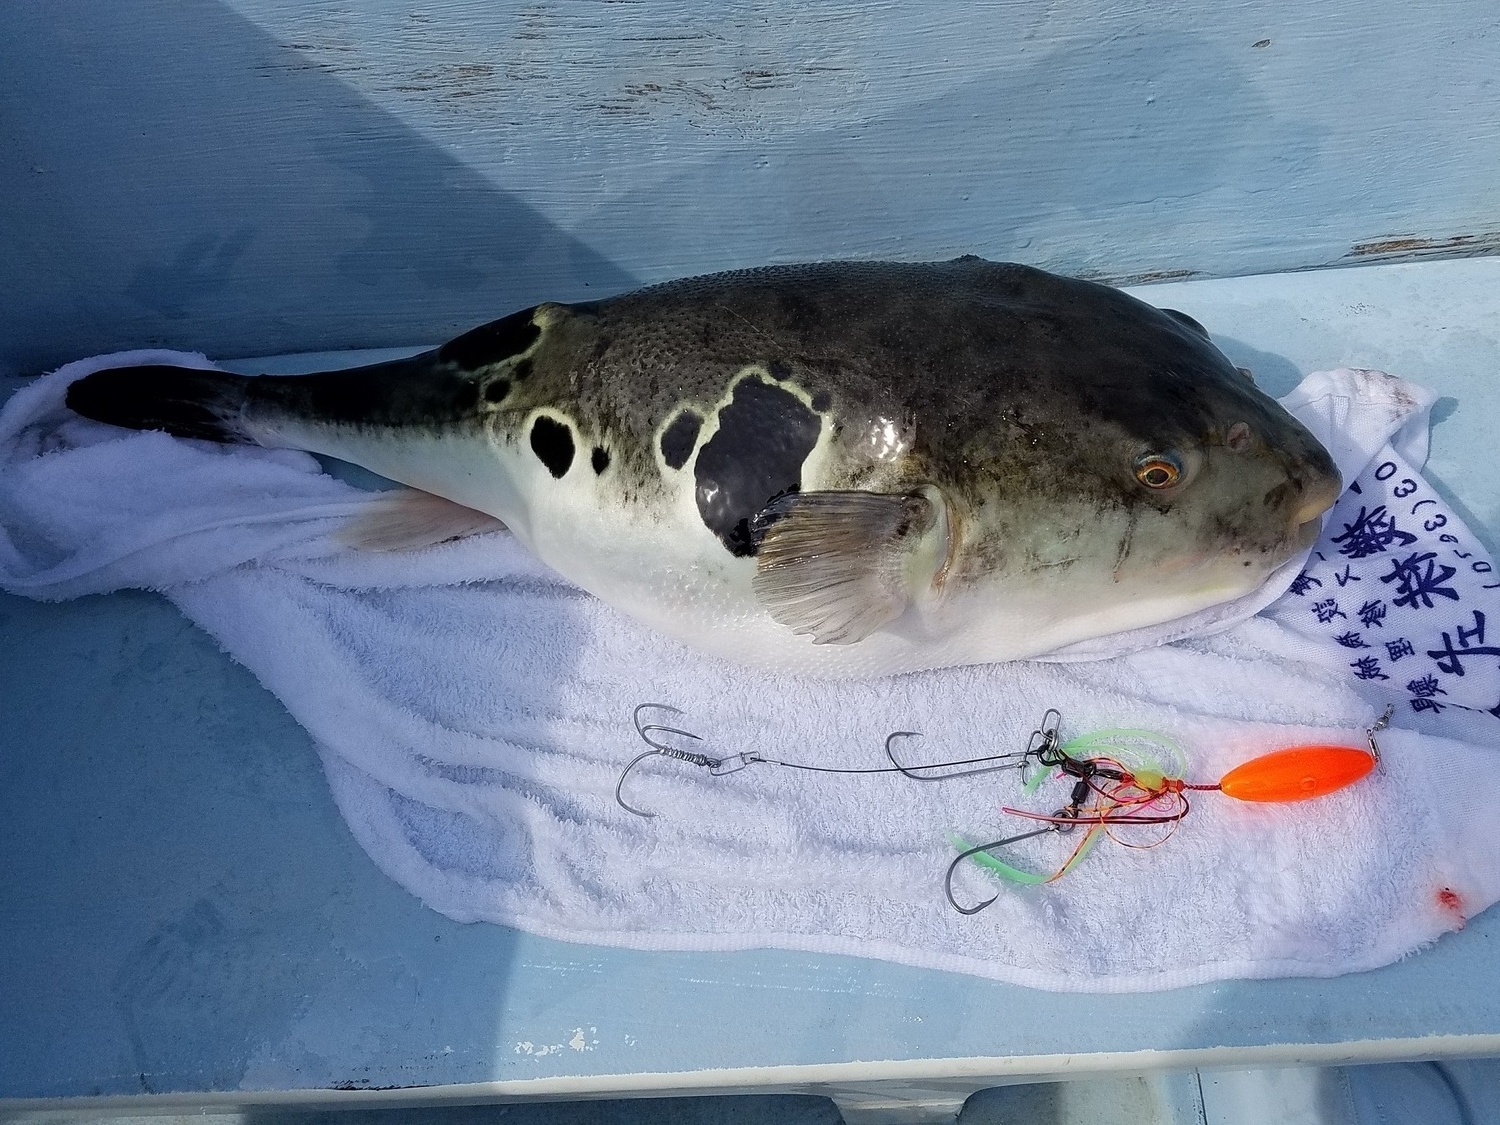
pixel 187 920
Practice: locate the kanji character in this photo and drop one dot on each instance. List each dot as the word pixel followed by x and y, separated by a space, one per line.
pixel 1423 692
pixel 1371 533
pixel 1395 650
pixel 1418 579
pixel 1327 610
pixel 1427 686
pixel 1450 658
pixel 1303 583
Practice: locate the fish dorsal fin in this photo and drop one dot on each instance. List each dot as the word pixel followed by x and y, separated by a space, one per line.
pixel 406 519
pixel 836 566
pixel 1187 322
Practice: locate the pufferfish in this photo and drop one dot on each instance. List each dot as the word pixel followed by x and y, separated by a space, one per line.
pixel 842 469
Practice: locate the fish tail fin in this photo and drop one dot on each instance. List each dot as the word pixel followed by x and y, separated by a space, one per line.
pixel 422 392
pixel 183 401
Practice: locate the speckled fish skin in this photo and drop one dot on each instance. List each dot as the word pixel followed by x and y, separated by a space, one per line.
pixel 840 469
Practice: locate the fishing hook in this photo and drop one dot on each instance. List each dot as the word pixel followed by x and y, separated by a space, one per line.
pixel 952 867
pixel 715 766
pixel 1007 762
pixel 1046 753
pixel 660 749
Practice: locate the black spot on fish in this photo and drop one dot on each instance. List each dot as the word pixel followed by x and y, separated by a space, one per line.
pixel 600 459
pixel 765 434
pixel 552 442
pixel 520 369
pixel 492 342
pixel 822 401
pixel 780 370
pixel 678 439
pixel 496 391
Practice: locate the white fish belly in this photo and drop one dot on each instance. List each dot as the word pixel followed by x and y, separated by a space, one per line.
pixel 657 562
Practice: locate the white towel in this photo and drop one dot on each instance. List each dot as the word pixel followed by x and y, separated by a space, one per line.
pixel 473 714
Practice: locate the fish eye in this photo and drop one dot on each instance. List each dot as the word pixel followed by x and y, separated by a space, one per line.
pixel 1158 470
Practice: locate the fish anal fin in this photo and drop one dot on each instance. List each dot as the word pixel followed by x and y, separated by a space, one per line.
pixel 836 566
pixel 407 519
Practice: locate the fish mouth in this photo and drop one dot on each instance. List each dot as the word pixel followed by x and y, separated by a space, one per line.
pixel 1316 505
pixel 1318 499
pixel 1308 532
pixel 1320 491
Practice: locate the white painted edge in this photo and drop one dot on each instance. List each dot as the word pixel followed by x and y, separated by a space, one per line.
pixel 977 1073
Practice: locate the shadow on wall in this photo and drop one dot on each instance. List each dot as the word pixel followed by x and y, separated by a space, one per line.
pixel 175 177
pixel 1273 373
pixel 1110 159
pixel 179 177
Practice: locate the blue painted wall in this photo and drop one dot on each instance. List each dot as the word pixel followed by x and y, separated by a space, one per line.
pixel 255 176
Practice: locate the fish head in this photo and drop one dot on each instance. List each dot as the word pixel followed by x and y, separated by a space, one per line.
pixel 1221 489
pixel 1157 483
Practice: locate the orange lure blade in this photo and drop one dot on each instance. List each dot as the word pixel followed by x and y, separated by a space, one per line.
pixel 1297 774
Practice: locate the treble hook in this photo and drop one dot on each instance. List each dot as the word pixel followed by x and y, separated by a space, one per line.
pixel 660 749
pixel 716 766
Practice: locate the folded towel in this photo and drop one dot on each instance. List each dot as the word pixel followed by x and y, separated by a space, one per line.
pixel 473 712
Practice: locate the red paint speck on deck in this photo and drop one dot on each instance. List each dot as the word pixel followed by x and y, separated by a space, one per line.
pixel 1452 902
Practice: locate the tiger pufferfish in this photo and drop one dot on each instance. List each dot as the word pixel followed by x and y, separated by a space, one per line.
pixel 844 469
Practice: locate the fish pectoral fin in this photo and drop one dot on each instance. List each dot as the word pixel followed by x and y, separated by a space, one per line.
pixel 837 566
pixel 407 519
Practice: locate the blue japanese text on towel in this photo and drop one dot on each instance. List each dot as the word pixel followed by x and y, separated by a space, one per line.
pixel 1406 591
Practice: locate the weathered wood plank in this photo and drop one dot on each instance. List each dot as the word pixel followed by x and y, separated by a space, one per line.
pixel 270 175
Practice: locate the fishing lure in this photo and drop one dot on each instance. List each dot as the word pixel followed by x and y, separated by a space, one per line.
pixel 1111 792
pixel 1122 778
